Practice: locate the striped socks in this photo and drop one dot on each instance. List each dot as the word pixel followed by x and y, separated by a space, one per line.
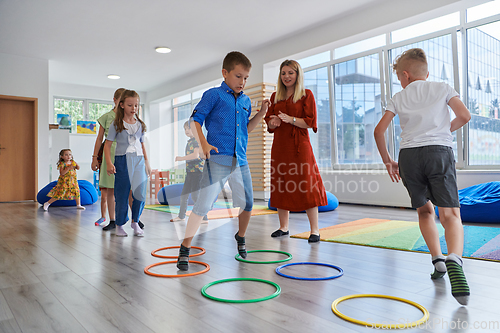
pixel 439 267
pixel 459 287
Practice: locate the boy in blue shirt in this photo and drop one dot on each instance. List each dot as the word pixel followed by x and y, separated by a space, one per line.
pixel 426 161
pixel 226 111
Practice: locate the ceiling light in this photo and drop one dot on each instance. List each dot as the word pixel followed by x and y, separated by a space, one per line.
pixel 163 49
pixel 113 76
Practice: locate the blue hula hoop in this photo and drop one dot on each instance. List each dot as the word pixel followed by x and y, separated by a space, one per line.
pixel 341 271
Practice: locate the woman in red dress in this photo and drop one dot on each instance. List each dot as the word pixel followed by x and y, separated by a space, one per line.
pixel 296 184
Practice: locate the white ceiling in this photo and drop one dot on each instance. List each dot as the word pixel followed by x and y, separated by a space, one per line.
pixel 86 40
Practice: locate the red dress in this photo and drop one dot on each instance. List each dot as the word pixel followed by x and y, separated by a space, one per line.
pixel 296 184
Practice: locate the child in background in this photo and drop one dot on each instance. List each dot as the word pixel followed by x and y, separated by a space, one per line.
pixel 426 160
pixel 131 166
pixel 67 185
pixel 226 111
pixel 106 182
pixel 194 171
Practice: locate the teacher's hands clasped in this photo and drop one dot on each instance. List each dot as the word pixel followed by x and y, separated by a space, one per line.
pixel 285 118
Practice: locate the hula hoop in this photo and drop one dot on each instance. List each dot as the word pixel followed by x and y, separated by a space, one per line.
pixel 265 298
pixel 341 271
pixel 239 258
pixel 146 270
pixel 379 325
pixel 176 247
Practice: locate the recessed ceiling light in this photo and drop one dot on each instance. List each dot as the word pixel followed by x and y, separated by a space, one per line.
pixel 163 49
pixel 113 76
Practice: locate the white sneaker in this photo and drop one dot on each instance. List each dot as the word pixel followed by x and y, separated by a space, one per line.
pixel 80 207
pixel 46 206
pixel 137 230
pixel 120 232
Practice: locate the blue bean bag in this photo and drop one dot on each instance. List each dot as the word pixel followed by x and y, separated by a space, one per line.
pixel 88 194
pixel 480 203
pixel 171 195
pixel 333 203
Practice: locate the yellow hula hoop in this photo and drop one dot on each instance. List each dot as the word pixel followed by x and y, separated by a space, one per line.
pixel 379 325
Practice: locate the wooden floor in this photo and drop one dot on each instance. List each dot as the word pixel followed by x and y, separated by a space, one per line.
pixel 60 273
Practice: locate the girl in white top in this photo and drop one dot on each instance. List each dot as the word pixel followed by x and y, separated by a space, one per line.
pixel 131 167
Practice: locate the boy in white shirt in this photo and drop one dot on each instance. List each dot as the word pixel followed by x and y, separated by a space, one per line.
pixel 426 160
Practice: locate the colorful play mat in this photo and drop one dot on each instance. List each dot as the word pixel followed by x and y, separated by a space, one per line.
pixel 479 242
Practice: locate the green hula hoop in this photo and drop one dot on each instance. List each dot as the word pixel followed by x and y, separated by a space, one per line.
pixel 276 293
pixel 239 258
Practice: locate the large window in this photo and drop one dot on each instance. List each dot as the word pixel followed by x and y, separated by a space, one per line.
pixel 440 64
pixel 357 109
pixel 79 109
pixel 463 50
pixel 71 107
pixel 182 113
pixel 483 94
pixel 317 81
pixel 97 109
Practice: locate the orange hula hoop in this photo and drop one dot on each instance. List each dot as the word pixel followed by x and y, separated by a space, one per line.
pixel 153 253
pixel 146 270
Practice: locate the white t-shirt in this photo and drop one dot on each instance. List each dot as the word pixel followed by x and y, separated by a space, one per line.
pixel 423 114
pixel 134 145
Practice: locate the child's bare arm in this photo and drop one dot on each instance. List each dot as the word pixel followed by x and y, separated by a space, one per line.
pixel 194 155
pixel 63 169
pixel 97 146
pixel 146 160
pixel 77 166
pixel 461 112
pixel 202 141
pixel 258 117
pixel 379 134
pixel 107 155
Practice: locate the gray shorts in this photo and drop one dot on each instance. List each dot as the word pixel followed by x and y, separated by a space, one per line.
pixel 429 173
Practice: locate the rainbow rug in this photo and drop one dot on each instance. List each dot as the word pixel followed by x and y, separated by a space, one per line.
pixel 221 210
pixel 479 242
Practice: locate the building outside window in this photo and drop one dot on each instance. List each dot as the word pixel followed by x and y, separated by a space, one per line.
pixel 483 94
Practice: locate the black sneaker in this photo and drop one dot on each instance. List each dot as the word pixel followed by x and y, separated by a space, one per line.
pixel 241 245
pixel 141 225
pixel 279 233
pixel 313 238
pixel 111 225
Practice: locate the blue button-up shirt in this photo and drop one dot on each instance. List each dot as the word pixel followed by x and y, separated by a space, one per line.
pixel 226 118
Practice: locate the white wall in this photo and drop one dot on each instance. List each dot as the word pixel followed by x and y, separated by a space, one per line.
pixel 29 77
pixel 376 188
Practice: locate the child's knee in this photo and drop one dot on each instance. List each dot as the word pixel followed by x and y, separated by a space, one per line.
pixel 446 213
pixel 426 210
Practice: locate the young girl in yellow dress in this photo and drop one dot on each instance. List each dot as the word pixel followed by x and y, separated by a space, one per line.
pixel 67 185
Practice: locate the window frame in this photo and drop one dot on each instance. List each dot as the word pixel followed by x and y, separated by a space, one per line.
pixel 465 98
pixel 335 165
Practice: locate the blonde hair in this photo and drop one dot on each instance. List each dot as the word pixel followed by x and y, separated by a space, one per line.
pixel 61 153
pixel 413 61
pixel 299 91
pixel 120 112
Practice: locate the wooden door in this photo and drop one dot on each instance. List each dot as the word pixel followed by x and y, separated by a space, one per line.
pixel 18 148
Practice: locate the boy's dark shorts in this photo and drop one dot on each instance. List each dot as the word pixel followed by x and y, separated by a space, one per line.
pixel 429 173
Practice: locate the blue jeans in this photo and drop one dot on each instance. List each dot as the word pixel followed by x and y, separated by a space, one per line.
pixel 213 180
pixel 130 175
